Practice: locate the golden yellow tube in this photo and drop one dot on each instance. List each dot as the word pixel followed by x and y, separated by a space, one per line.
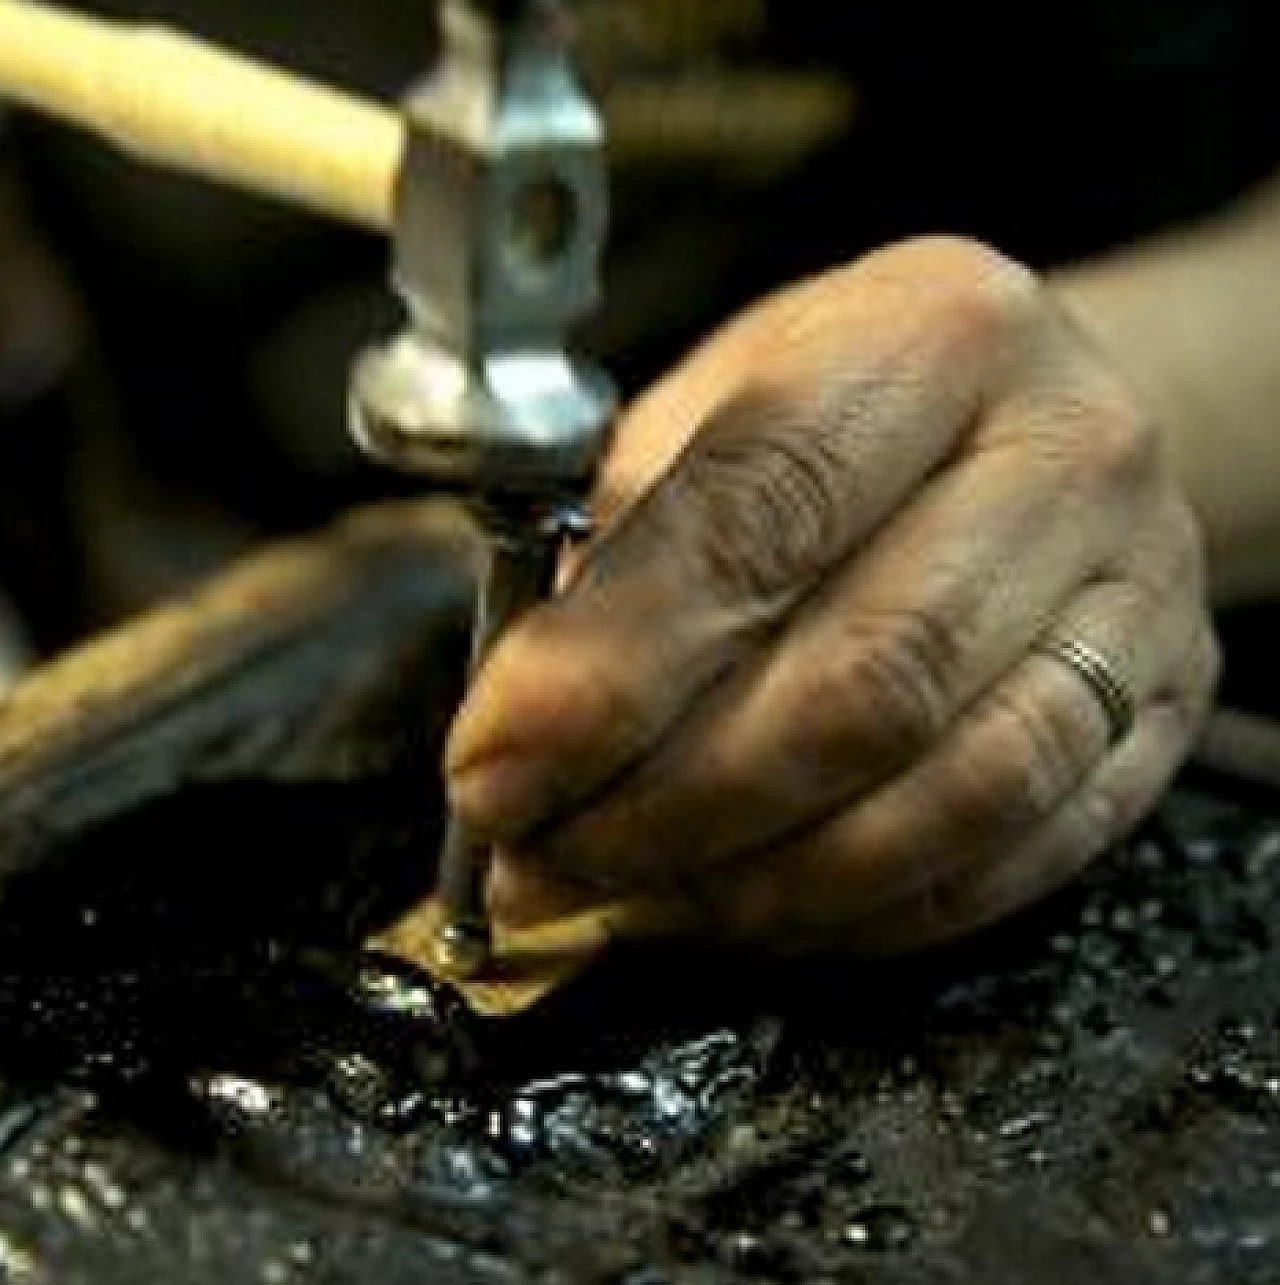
pixel 172 100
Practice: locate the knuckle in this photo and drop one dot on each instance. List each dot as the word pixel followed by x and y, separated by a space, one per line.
pixel 1117 444
pixel 1182 544
pixel 1112 810
pixel 619 713
pixel 979 286
pixel 1188 688
pixel 1153 594
pixel 1188 539
pixel 1038 752
pixel 622 712
pixel 1165 579
pixel 1103 816
pixel 766 484
pixel 895 686
pixel 1126 443
pixel 1211 665
pixel 1192 693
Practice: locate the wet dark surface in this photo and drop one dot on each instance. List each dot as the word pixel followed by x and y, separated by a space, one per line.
pixel 196 1095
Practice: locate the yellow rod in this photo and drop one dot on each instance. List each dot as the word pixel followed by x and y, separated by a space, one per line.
pixel 172 100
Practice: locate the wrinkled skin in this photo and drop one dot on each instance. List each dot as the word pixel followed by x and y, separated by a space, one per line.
pixel 790 695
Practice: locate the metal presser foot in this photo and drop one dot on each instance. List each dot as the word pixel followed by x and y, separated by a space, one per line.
pixel 500 219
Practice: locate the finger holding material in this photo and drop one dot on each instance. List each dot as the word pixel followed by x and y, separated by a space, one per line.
pixel 768 496
pixel 871 670
pixel 1107 806
pixel 994 781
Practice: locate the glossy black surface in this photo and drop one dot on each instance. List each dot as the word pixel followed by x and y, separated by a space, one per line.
pixel 1092 1093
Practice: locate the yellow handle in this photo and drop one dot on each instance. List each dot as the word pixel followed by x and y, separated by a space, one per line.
pixel 172 100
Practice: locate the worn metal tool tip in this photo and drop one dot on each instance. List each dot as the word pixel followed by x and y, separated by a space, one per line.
pixel 462 948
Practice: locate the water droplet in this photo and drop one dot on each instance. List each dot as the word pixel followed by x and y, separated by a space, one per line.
pixel 17 1263
pixel 75 1207
pixel 748 1252
pixel 372 1093
pixel 302 1252
pixel 1029 1122
pixel 138 1220
pixel 391 989
pixel 108 1192
pixel 880 1229
pixel 237 1102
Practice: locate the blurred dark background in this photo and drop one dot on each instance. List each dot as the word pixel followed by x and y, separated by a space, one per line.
pixel 173 356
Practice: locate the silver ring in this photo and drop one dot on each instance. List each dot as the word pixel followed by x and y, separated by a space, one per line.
pixel 1100 676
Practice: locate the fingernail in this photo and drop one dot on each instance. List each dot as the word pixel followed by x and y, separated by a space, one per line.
pixel 502 797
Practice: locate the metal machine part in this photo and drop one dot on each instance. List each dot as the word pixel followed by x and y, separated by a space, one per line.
pixel 523 548
pixel 500 217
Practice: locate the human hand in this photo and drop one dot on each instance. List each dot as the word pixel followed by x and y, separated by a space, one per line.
pixel 791 693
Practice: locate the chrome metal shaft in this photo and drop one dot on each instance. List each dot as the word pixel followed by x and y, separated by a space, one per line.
pixel 520 573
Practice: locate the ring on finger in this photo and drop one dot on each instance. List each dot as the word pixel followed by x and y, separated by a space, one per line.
pixel 1100 675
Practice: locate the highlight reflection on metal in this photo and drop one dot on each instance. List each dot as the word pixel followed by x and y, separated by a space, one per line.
pixel 500 219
